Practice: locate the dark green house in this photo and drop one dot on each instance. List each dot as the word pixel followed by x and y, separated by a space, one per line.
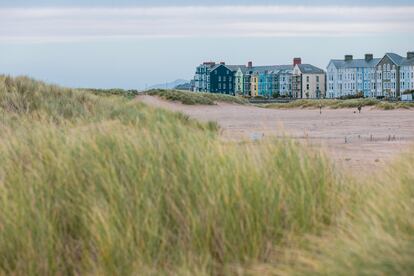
pixel 222 79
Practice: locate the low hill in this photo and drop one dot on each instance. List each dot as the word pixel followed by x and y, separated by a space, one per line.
pixel 168 85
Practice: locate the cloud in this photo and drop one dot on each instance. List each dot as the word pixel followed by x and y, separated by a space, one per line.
pixel 24 25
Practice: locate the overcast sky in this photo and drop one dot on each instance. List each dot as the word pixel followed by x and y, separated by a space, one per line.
pixel 130 44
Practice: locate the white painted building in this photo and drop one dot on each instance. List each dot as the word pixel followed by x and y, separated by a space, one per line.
pixel 407 73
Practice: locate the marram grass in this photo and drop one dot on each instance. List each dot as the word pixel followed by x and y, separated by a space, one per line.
pixel 376 238
pixel 102 185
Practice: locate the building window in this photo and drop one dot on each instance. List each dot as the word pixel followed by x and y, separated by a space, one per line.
pixel 307 79
pixel 307 86
pixel 219 78
pixel 317 78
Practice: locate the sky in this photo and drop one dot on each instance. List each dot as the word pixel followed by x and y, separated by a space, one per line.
pixel 133 44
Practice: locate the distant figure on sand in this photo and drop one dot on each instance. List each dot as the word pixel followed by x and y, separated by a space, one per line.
pixel 320 108
pixel 359 108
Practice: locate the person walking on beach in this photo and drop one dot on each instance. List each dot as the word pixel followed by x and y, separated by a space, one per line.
pixel 359 108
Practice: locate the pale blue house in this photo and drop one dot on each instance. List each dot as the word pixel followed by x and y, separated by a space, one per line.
pixel 274 79
pixel 349 76
pixel 283 84
pixel 407 73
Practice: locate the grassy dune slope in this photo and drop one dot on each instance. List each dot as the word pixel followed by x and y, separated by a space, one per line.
pixel 335 104
pixel 103 185
pixel 191 98
pixel 94 184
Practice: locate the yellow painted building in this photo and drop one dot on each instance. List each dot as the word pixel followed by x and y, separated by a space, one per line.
pixel 254 85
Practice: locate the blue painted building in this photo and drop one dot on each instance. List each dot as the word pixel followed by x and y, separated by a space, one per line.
pixel 274 79
pixel 350 76
pixel 265 84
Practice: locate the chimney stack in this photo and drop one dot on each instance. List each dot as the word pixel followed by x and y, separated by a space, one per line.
pixel 209 63
pixel 369 57
pixel 250 64
pixel 348 57
pixel 410 55
pixel 297 61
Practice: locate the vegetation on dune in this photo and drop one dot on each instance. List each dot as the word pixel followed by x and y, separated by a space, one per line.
pixel 103 185
pixel 192 98
pixel 336 104
pixel 108 186
pixel 377 238
pixel 129 94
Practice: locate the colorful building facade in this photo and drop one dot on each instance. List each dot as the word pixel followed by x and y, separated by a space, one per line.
pixel 386 77
pixel 252 81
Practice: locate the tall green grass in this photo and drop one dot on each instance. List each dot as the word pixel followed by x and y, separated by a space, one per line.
pixel 376 238
pixel 102 185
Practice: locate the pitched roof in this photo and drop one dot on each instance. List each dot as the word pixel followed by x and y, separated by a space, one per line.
pixel 233 68
pixel 397 59
pixel 236 67
pixel 271 68
pixel 310 69
pixel 408 62
pixel 255 69
pixel 355 63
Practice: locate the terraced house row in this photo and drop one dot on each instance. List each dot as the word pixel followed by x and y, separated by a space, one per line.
pixel 389 76
pixel 295 80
